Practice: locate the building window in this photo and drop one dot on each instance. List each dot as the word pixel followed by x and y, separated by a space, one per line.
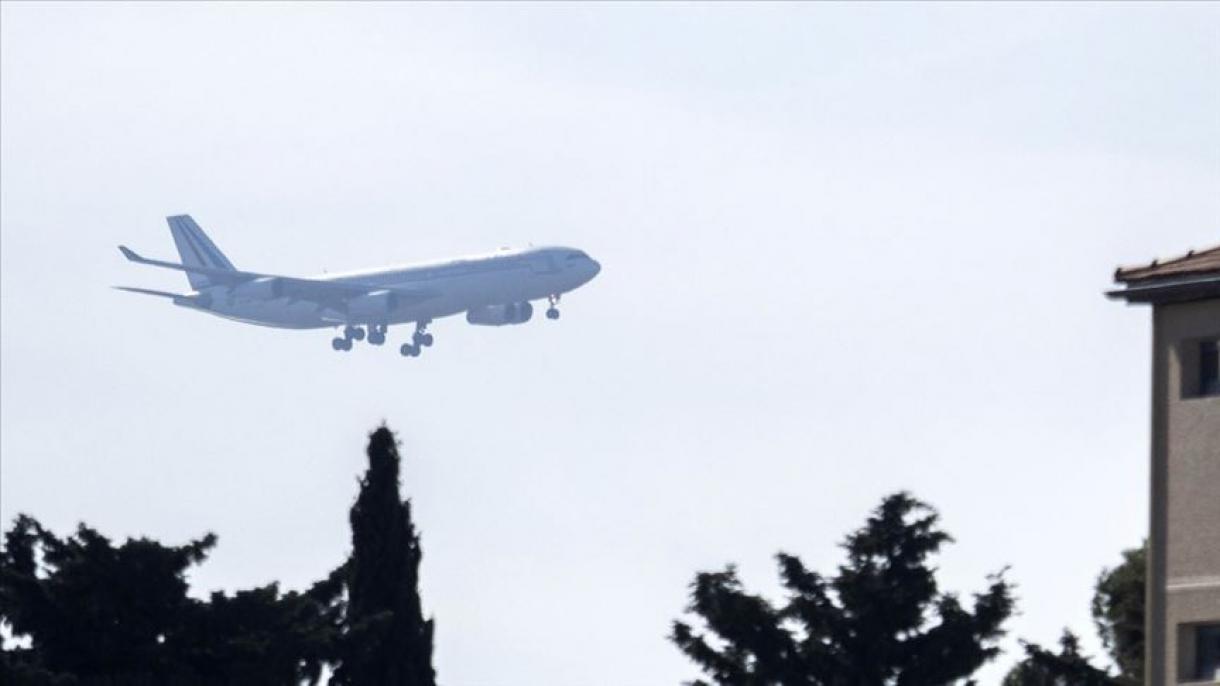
pixel 1209 367
pixel 1207 652
pixel 1199 364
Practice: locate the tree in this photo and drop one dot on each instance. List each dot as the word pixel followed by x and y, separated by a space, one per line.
pixel 1068 667
pixel 91 609
pixel 881 619
pixel 259 636
pixel 97 613
pixel 388 642
pixel 1118 611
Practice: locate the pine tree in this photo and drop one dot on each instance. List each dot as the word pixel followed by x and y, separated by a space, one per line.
pixel 1068 667
pixel 880 620
pixel 93 610
pixel 99 613
pixel 388 642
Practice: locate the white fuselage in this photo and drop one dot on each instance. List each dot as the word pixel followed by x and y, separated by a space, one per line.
pixel 456 286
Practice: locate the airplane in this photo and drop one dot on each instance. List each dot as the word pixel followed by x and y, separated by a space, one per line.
pixel 493 289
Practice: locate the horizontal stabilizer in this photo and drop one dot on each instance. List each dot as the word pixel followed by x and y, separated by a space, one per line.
pixel 227 274
pixel 147 291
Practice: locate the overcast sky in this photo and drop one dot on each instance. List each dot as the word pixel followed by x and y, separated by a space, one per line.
pixel 846 250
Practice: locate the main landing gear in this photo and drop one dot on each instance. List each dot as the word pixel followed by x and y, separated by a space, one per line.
pixel 350 333
pixel 419 340
pixel 552 312
pixel 377 334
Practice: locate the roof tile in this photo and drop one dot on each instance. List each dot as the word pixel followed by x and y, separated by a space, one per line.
pixel 1205 261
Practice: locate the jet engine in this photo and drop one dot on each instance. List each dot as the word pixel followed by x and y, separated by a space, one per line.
pixel 499 315
pixel 373 306
pixel 262 288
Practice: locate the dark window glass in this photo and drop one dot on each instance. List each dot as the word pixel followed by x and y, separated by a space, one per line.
pixel 1207 645
pixel 1209 367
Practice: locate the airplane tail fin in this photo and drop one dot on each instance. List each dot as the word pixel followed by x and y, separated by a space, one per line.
pixel 196 250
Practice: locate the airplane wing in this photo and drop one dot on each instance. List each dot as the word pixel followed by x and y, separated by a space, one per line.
pixel 322 292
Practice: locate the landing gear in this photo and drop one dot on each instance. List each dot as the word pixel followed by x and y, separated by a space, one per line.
pixel 419 340
pixel 377 334
pixel 350 333
pixel 552 312
pixel 421 337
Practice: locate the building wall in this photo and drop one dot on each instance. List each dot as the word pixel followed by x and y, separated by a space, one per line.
pixel 1184 561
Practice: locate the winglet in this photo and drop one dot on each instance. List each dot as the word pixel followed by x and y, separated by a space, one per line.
pixel 130 254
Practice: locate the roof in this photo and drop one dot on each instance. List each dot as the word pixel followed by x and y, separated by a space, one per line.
pixel 1193 276
pixel 1194 262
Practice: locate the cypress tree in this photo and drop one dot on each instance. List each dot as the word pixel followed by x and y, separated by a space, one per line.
pixel 388 641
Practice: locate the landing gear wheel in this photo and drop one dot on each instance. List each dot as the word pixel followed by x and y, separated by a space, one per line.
pixel 376 338
pixel 341 344
pixel 408 350
pixel 552 313
pixel 353 333
pixel 421 337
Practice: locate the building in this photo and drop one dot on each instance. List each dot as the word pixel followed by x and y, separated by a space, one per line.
pixel 1183 601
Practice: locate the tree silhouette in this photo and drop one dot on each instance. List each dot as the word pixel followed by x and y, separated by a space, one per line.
pixel 97 613
pixel 1068 667
pixel 388 642
pixel 880 620
pixel 1118 611
pixel 94 613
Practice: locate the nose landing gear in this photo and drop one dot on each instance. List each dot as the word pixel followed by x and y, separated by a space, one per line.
pixel 552 312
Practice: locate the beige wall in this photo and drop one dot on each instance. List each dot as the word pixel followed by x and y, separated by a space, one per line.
pixel 1184 565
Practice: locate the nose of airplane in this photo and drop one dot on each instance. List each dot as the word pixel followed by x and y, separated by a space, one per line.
pixel 597 268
